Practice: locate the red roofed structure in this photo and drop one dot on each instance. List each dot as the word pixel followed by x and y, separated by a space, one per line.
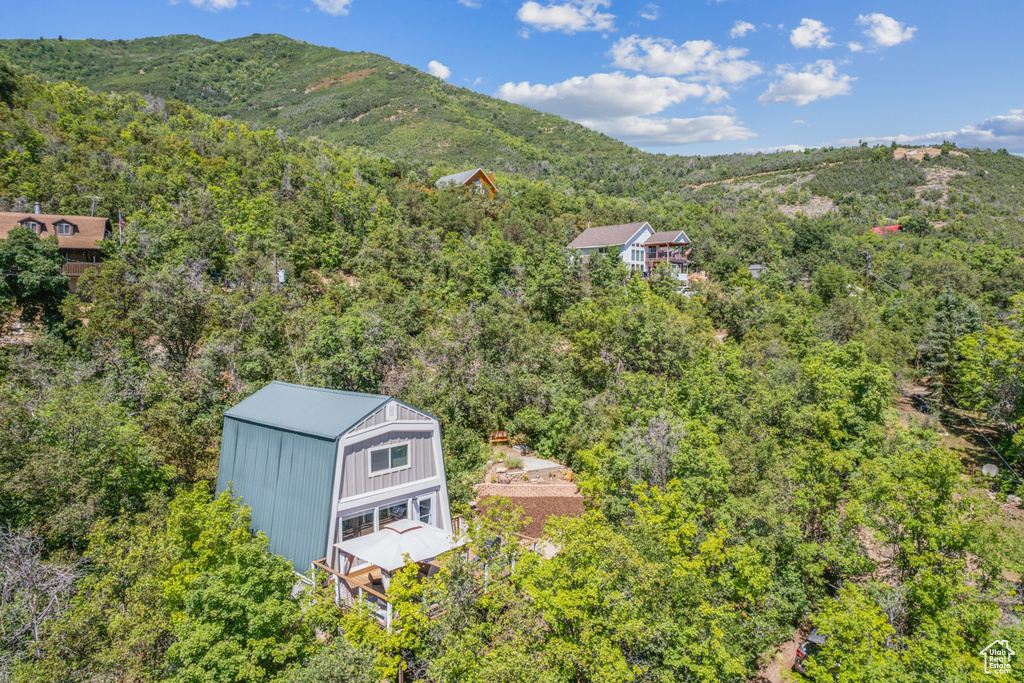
pixel 887 230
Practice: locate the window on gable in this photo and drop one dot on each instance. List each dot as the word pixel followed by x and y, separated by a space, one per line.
pixel 33 226
pixel 389 458
pixel 63 228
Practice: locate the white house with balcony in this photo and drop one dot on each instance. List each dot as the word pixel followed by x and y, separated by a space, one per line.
pixel 625 240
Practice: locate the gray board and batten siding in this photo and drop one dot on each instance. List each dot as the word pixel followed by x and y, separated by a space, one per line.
pixel 279 452
pixel 357 478
pixel 403 413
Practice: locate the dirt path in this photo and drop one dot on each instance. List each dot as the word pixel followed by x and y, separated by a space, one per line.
pixel 937 178
pixel 763 173
pixel 782 661
pixel 964 433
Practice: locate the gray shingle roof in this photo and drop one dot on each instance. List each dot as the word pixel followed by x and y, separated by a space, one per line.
pixel 326 413
pixel 606 236
pixel 668 237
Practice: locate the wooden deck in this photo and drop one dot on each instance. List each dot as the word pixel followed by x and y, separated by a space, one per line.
pixel 366 581
pixel 78 268
pixel 369 580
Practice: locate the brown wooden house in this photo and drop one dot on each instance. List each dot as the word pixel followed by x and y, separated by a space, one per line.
pixel 77 236
pixel 476 178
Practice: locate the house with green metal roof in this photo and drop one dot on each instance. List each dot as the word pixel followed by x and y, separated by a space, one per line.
pixel 321 468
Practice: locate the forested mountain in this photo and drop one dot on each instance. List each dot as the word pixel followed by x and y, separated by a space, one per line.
pixel 355 98
pixel 371 102
pixel 752 458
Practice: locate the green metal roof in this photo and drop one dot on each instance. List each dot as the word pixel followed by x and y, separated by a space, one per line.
pixel 326 413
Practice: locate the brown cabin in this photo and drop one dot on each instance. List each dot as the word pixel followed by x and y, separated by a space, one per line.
pixel 475 177
pixel 77 236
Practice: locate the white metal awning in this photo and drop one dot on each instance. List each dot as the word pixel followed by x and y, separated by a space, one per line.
pixel 389 547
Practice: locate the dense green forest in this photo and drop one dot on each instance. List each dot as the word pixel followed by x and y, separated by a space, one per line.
pixel 750 461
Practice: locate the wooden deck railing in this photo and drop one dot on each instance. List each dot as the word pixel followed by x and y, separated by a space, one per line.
pixel 360 584
pixel 78 268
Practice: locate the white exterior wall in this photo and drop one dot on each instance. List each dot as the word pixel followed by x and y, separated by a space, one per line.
pixel 384 489
pixel 632 253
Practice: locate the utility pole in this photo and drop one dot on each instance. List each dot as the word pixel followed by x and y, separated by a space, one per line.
pixel 867 269
pixel 277 280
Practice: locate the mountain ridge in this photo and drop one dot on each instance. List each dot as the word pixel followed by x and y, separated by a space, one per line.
pixel 416 120
pixel 305 89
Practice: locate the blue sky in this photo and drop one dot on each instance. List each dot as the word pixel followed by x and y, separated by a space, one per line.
pixel 702 77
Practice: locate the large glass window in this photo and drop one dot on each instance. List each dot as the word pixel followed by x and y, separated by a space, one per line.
pixel 355 526
pixel 389 458
pixel 388 514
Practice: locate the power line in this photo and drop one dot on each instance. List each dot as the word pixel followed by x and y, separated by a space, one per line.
pixel 1006 423
pixel 982 435
pixel 895 288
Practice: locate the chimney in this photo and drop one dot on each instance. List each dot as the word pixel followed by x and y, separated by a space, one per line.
pixel 37 209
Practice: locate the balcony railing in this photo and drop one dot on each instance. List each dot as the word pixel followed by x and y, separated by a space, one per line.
pixel 78 268
pixel 667 254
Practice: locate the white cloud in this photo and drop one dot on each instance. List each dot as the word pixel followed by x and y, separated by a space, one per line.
pixel 601 96
pixel 741 28
pixel 811 33
pixel 213 5
pixel 884 31
pixel 820 80
pixel 568 17
pixel 671 132
pixel 474 4
pixel 333 7
pixel 1003 131
pixel 855 46
pixel 700 59
pixel 438 69
pixel 650 12
pixel 623 106
pixel 799 122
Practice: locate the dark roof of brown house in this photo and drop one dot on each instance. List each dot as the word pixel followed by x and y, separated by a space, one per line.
pixel 86 231
pixel 606 235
